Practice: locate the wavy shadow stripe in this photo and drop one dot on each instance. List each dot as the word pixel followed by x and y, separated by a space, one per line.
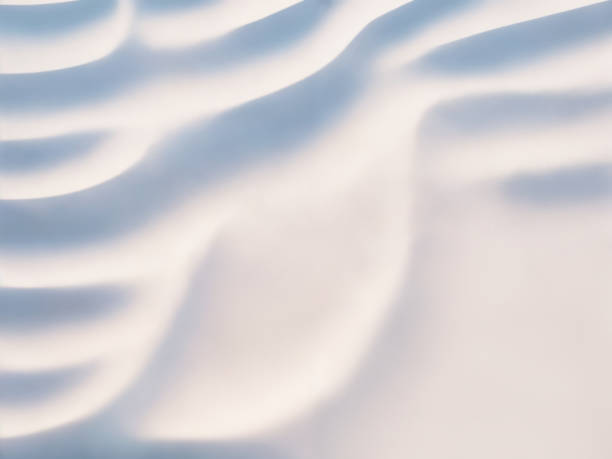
pixel 23 389
pixel 33 310
pixel 163 6
pixel 404 23
pixel 43 21
pixel 36 154
pixel 78 442
pixel 520 43
pixel 485 114
pixel 561 187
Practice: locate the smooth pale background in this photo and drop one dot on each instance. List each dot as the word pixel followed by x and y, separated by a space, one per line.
pixel 305 229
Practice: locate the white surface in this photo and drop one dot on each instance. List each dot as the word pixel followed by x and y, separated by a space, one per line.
pixel 346 229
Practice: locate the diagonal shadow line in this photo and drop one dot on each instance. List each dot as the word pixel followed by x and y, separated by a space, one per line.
pixel 45 20
pixel 522 42
pixel 28 310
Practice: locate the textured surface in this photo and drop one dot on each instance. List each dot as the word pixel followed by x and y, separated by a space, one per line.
pixel 342 229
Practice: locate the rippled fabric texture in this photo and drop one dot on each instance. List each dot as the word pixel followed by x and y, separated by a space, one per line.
pixel 317 229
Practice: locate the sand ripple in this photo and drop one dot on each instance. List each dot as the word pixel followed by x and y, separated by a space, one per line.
pixel 235 221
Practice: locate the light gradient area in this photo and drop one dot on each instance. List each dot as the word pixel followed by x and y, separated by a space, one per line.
pixel 283 229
